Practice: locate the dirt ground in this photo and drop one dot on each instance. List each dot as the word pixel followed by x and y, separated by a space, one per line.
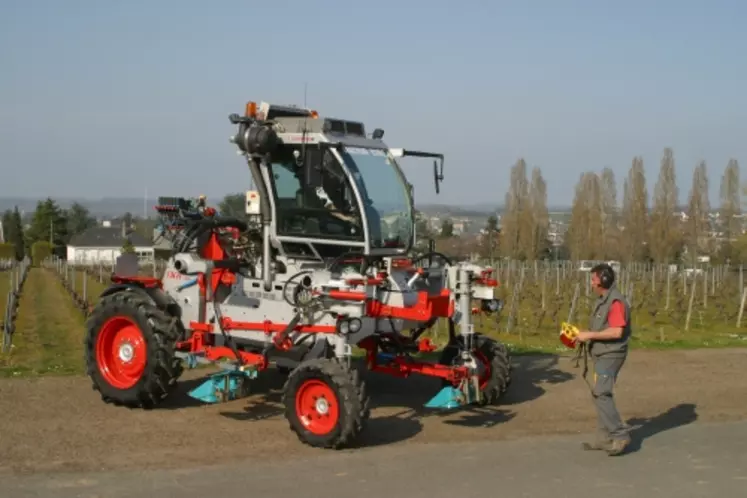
pixel 60 424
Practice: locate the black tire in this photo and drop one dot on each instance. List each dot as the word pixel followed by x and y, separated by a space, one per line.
pixel 351 402
pixel 498 360
pixel 157 333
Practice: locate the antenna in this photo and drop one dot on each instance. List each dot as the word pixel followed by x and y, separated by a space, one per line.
pixel 305 119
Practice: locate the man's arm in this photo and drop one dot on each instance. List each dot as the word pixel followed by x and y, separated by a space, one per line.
pixel 617 322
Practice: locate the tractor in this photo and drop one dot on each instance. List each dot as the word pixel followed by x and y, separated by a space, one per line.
pixel 314 277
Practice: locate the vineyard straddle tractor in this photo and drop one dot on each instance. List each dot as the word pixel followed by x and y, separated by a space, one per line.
pixel 320 261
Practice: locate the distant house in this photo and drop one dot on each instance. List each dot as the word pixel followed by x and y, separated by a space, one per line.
pixel 103 244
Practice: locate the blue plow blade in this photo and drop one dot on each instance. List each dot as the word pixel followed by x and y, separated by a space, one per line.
pixel 216 390
pixel 447 398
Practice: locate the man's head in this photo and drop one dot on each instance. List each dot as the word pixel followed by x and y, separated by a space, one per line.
pixel 602 278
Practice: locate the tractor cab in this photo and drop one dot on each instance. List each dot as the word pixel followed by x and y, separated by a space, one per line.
pixel 325 187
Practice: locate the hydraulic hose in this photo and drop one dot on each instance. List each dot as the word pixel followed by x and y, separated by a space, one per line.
pixel 199 227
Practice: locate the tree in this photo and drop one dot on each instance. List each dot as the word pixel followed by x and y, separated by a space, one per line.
pixel 610 215
pixel 233 205
pixel 48 223
pixel 489 241
pixel 127 220
pixel 540 217
pixel 575 237
pixel 79 219
pixel 8 244
pixel 730 208
pixel 447 228
pixel 514 239
pixel 585 230
pixel 664 231
pixel 17 235
pixel 635 218
pixel 698 209
pixel 40 251
pixel 127 246
pixel 423 232
pixel 492 223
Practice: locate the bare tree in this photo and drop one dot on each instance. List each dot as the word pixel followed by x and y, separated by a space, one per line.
pixel 575 237
pixel 697 213
pixel 664 233
pixel 516 206
pixel 610 212
pixel 635 214
pixel 586 225
pixel 730 207
pixel 595 207
pixel 540 214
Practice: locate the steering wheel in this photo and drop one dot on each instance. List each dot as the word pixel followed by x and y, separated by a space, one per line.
pixel 329 224
pixel 433 255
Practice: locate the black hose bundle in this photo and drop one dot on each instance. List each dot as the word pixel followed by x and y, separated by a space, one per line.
pixel 200 227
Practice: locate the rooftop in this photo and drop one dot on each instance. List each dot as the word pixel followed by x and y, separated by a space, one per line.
pixel 107 236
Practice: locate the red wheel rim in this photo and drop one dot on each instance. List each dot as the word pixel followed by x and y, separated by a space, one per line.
pixel 121 352
pixel 487 371
pixel 317 407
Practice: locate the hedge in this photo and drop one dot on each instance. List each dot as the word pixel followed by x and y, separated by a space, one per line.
pixel 40 251
pixel 7 251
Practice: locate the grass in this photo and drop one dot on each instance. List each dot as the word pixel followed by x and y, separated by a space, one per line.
pixel 49 331
pixel 93 287
pixel 658 322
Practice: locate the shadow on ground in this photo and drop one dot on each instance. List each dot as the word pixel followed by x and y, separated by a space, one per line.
pixel 406 397
pixel 644 428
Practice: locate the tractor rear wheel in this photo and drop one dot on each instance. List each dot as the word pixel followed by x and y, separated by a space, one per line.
pixel 129 350
pixel 494 365
pixel 326 403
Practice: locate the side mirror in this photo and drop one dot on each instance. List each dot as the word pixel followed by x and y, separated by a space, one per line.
pixel 438 177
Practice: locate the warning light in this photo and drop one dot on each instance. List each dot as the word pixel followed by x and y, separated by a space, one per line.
pixel 251 110
pixel 314 114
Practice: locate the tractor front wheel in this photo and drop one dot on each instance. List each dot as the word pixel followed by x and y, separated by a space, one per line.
pixel 494 365
pixel 129 350
pixel 326 403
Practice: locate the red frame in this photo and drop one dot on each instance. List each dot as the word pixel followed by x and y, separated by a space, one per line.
pixel 403 366
pixel 427 307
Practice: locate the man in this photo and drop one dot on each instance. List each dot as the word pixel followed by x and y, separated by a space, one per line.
pixel 607 345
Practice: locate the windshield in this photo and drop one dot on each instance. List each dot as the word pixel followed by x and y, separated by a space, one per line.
pixel 328 211
pixel 385 197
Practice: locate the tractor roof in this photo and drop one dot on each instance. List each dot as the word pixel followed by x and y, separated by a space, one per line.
pixel 291 122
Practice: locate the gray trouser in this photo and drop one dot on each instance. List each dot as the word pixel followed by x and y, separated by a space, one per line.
pixel 606 371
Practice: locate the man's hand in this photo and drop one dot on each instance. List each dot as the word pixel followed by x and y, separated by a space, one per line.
pixel 584 336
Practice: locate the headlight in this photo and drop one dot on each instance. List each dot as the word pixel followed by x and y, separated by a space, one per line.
pixel 349 326
pixel 492 305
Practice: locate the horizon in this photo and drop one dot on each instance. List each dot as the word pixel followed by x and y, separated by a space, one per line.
pixel 7 202
pixel 135 97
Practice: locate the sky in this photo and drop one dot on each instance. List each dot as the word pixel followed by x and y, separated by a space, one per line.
pixel 103 98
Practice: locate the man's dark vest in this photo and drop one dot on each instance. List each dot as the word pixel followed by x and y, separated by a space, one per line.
pixel 598 322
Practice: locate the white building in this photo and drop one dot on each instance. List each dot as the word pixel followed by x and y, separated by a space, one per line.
pixel 102 244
